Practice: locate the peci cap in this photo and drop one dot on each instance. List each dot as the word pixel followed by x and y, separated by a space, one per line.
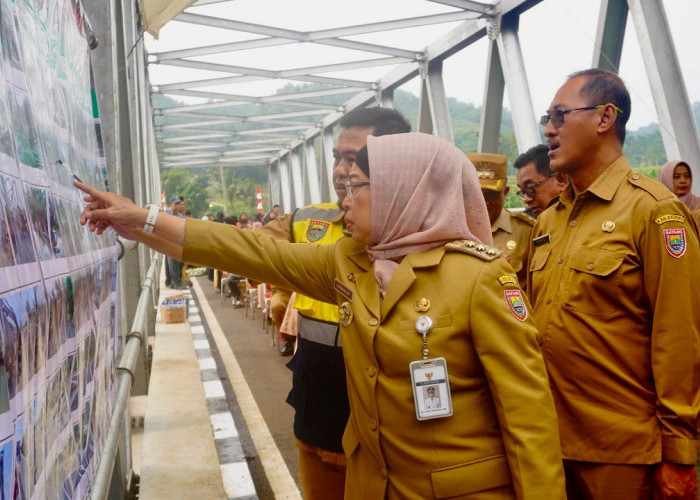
pixel 491 168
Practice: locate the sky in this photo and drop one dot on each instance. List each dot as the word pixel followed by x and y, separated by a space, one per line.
pixel 556 37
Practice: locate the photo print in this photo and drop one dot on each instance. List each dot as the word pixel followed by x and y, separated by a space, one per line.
pixel 20 231
pixel 23 128
pixel 35 198
pixel 13 317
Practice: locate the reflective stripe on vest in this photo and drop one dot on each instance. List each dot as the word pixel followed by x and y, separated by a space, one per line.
pixel 319 332
pixel 311 224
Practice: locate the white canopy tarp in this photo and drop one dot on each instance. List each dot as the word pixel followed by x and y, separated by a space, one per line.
pixel 155 13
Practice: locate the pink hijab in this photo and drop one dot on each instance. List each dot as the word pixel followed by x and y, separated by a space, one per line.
pixel 425 193
pixel 666 178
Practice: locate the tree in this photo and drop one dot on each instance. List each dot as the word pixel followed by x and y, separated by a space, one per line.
pixel 181 182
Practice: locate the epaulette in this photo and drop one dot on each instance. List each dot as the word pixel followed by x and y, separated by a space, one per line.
pixel 520 215
pixel 480 250
pixel 656 189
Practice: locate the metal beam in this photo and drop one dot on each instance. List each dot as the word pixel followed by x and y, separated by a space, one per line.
pixel 297 178
pixel 492 110
pixel 288 73
pixel 481 8
pixel 327 164
pixel 527 133
pixel 434 115
pixel 610 35
pixel 285 191
pixel 312 192
pixel 678 128
pixel 227 80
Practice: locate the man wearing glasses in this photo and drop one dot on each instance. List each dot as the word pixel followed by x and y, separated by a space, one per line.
pixel 510 229
pixel 613 281
pixel 538 184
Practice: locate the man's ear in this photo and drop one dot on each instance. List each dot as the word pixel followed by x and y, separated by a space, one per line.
pixel 608 118
pixel 561 180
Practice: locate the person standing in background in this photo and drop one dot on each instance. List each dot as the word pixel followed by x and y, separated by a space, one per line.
pixel 537 184
pixel 510 229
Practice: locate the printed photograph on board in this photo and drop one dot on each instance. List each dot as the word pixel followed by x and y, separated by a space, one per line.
pixel 16 214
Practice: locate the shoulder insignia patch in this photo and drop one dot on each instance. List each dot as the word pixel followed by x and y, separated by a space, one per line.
pixel 508 279
pixel 670 218
pixel 674 239
pixel 480 250
pixel 520 215
pixel 516 304
pixel 316 230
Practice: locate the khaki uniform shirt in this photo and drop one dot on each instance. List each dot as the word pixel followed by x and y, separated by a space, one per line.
pixel 511 234
pixel 502 436
pixel 613 280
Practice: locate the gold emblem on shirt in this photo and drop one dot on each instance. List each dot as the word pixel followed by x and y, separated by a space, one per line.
pixel 422 305
pixel 345 314
pixel 670 218
pixel 608 226
pixel 508 280
pixel 511 244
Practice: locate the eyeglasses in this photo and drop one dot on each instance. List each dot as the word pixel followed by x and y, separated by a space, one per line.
pixel 350 186
pixel 556 115
pixel 531 189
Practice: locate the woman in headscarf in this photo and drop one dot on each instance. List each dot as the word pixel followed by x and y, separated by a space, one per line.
pixel 423 302
pixel 678 178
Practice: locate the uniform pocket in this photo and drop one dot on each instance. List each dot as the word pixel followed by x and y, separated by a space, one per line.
pixel 470 477
pixel 539 259
pixel 593 281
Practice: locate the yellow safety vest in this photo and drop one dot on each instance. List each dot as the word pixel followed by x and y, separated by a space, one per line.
pixel 311 224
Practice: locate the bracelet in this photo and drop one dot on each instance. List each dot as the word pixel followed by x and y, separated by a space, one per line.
pixel 153 212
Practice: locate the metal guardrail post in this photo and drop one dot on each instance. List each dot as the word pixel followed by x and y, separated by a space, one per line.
pixel 134 340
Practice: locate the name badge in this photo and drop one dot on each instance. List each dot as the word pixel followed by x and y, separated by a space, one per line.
pixel 431 388
pixel 541 240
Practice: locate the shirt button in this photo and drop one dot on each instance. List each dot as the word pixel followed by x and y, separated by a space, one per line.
pixel 560 260
pixel 635 177
pixel 373 322
pixel 572 223
pixel 589 267
pixel 372 371
pixel 549 301
pixel 373 424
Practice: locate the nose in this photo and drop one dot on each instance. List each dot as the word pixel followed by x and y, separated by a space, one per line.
pixel 550 130
pixel 346 202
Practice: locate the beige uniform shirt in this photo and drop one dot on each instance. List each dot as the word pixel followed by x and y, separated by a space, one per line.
pixel 511 234
pixel 502 436
pixel 614 284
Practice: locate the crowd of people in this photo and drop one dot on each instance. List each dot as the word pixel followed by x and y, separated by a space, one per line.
pixel 449 348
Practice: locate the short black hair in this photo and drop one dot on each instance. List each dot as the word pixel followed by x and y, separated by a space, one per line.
pixel 604 87
pixel 537 155
pixel 385 121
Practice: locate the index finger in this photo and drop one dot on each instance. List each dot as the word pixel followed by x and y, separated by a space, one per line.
pixel 86 188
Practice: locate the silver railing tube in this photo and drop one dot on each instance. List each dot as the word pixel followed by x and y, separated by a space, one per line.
pixel 125 379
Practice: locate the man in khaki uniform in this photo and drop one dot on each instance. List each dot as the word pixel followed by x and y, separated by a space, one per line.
pixel 613 281
pixel 511 229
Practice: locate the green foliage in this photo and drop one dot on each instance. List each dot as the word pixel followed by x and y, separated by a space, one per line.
pixel 181 182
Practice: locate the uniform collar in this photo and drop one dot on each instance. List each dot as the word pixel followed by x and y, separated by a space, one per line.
pixel 502 222
pixel 604 187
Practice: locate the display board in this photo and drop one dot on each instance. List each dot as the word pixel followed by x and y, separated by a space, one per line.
pixel 58 338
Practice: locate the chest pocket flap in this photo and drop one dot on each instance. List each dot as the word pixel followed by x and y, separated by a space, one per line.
pixel 596 262
pixel 539 259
